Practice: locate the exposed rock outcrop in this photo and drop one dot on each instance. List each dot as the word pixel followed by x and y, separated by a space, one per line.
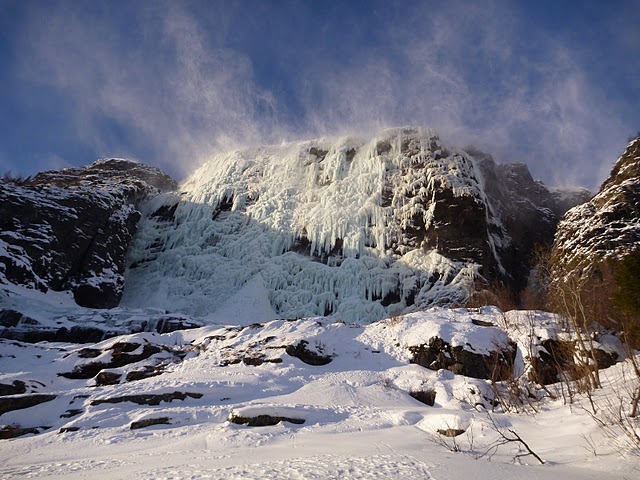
pixel 15 388
pixel 86 326
pixel 150 422
pixel 18 402
pixel 119 354
pixel 148 398
pixel 10 431
pixel 528 212
pixel 606 227
pixel 556 360
pixel 437 354
pixel 301 352
pixel 70 229
pixel 263 420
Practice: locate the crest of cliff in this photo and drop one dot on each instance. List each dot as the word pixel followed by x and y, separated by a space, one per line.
pixel 356 228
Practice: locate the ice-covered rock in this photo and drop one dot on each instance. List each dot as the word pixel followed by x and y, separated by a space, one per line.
pixel 356 228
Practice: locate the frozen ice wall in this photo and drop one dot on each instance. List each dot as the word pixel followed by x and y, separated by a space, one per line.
pixel 345 226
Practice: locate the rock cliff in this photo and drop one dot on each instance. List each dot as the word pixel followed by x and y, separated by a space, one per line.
pixel 606 227
pixel 70 229
pixel 358 228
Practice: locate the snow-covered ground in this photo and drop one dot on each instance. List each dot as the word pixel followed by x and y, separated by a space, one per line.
pixel 359 419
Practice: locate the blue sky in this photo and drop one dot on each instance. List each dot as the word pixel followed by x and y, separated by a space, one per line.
pixel 555 84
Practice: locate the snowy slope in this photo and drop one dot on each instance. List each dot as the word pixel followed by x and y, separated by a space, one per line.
pixel 357 228
pixel 359 420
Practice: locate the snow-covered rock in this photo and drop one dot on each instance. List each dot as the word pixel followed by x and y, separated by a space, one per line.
pixel 608 226
pixel 31 316
pixel 70 229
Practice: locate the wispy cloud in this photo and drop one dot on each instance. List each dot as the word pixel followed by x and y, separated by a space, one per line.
pixel 161 80
pixel 469 72
pixel 169 92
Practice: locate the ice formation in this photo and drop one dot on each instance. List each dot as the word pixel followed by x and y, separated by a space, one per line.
pixel 331 226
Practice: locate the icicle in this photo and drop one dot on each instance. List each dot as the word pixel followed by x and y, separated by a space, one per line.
pixel 280 195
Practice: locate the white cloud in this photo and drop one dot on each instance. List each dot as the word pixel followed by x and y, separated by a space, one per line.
pixel 180 98
pixel 478 73
pixel 469 73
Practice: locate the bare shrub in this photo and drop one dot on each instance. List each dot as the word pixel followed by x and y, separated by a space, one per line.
pixel 602 294
pixel 498 295
pixel 452 440
pixel 615 411
pixel 509 436
pixel 392 321
pixel 512 391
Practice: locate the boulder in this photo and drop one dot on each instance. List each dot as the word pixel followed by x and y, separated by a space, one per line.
pixel 263 420
pixel 438 354
pixel 301 352
pixel 150 422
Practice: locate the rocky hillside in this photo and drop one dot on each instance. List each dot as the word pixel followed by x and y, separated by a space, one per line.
pixel 608 226
pixel 70 229
pixel 358 228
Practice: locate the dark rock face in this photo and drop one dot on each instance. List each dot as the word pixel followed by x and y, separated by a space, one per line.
pixel 428 397
pixel 557 359
pixel 566 199
pixel 9 318
pixel 608 226
pixel 438 202
pixel 301 352
pixel 15 388
pixel 10 403
pixel 476 210
pixel 528 211
pixel 149 399
pixel 471 209
pixel 438 354
pixel 70 229
pixel 548 366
